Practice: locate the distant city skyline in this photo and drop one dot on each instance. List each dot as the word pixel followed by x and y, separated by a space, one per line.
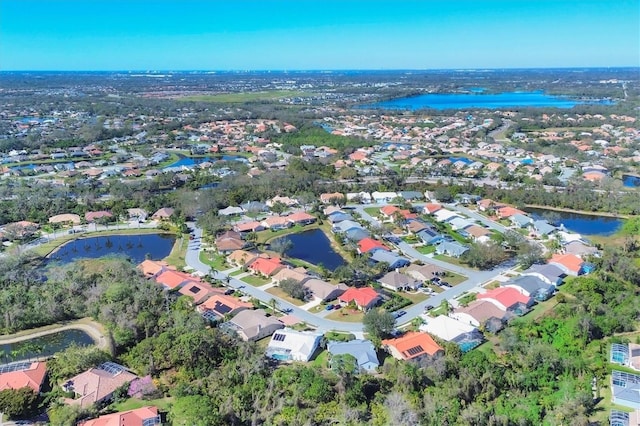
pixel 119 35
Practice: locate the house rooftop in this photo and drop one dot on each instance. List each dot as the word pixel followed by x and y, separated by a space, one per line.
pixel 414 344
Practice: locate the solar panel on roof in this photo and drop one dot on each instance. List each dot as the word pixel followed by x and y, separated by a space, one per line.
pixel 16 366
pixel 111 368
pixel 209 315
pixel 194 289
pixel 222 308
pixel 279 337
pixel 415 350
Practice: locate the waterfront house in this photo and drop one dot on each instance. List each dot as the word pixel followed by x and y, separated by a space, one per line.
pixel 367 245
pixel 97 385
pixel 241 258
pixel 143 416
pixel 163 213
pixel 93 216
pixel 265 266
pixel 24 374
pixel 393 260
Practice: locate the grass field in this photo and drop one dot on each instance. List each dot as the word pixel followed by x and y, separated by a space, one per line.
pixel 276 291
pixel 426 249
pixel 231 98
pixel 216 261
pixel 255 280
pixel 346 315
pixel 178 252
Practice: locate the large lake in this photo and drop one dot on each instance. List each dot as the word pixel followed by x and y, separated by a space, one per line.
pixel 193 161
pixel 135 247
pixel 580 223
pixel 442 101
pixel 43 346
pixel 314 247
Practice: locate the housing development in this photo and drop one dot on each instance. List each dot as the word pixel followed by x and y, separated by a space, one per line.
pixel 387 248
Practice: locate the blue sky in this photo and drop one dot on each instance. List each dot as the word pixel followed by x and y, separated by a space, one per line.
pixel 306 34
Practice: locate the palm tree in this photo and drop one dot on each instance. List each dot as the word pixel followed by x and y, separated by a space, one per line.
pixel 273 303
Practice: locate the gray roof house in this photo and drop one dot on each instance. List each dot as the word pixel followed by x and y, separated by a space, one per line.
pixel 411 195
pixel 393 260
pixel 625 389
pixel 252 325
pixel 397 281
pixel 337 217
pixel 323 290
pixel 542 227
pixel 530 285
pixel 451 248
pixel 521 220
pixel 550 274
pixel 346 225
pixel 362 350
pixel 430 236
pixel 356 234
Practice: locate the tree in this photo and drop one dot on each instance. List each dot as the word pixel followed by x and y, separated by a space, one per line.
pixel 294 288
pixel 378 323
pixel 281 245
pixel 278 208
pixel 194 410
pixel 529 253
pixel 484 256
pixel 18 403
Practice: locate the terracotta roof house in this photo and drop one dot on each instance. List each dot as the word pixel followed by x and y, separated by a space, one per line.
pixel 144 416
pixel 296 274
pixel 323 290
pixel 488 204
pixel 478 312
pixel 301 218
pixel 92 216
pixel 364 297
pixel 23 374
pixel 241 257
pixel 478 233
pixel 163 213
pixel 415 226
pixel 266 266
pixel 97 384
pixel 65 218
pixel 252 325
pixel 362 350
pixel 331 198
pixel 276 222
pixel 569 263
pixel 253 226
pixel 221 305
pixel 367 245
pixel 229 241
pixel 424 272
pixel 507 211
pixel 292 345
pixel 508 299
pixel 389 210
pixel 431 208
pixel 331 210
pixel 287 201
pixel 199 291
pixel 172 279
pixel 412 345
pixel 397 281
pixel 152 268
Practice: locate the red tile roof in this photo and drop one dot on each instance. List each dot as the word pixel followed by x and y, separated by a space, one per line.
pixel 363 297
pixel 124 418
pixel 91 216
pixel 266 267
pixel 506 296
pixel 570 261
pixel 172 279
pixel 31 377
pixel 365 245
pixel 414 344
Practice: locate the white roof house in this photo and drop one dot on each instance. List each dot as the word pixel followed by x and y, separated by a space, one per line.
pixel 292 345
pixel 444 215
pixel 447 328
pixel 364 197
pixel 383 197
pixel 459 223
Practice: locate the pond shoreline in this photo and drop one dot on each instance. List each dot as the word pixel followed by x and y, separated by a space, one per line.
pixel 115 232
pixel 94 329
pixel 582 212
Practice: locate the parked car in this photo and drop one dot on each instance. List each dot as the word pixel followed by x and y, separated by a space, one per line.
pixel 445 284
pixel 229 291
pixel 398 314
pixel 428 308
pixel 328 307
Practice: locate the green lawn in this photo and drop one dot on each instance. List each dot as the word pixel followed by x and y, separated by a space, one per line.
pixel 453 278
pixel 346 315
pixel 452 260
pixel 255 280
pixel 426 249
pixel 236 273
pixel 271 95
pixel 339 336
pixel 415 297
pixel 467 298
pixel 178 252
pixel 276 291
pixel 492 285
pixel 133 403
pixel 372 211
pixel 322 360
pixel 215 260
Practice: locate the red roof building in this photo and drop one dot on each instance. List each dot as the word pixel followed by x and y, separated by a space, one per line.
pixel 266 266
pixel 412 345
pixel 364 297
pixel 366 245
pixel 569 263
pixel 173 279
pixel 507 298
pixel 92 216
pixel 24 376
pixel 144 416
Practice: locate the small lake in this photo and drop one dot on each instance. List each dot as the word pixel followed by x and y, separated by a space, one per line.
pixel 43 346
pixel 314 247
pixel 631 181
pixel 441 101
pixel 579 223
pixel 194 161
pixel 136 247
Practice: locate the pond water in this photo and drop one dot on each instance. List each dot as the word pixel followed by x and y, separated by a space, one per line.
pixel 443 101
pixel 136 247
pixel 193 161
pixel 314 247
pixel 43 346
pixel 579 223
pixel 631 181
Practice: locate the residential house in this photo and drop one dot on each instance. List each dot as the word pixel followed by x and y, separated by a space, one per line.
pixel 222 305
pixel 411 195
pixel 163 213
pixel 332 198
pixel 570 264
pixel 398 281
pixel 93 216
pixel 287 201
pixel 367 245
pixel 507 211
pixel 265 266
pixel 488 204
pixel 393 260
pixel 301 218
pixel 246 227
pixel 152 268
pixel 241 258
pixel 339 216
pixel 479 313
pixel 444 215
pixel 276 223
pixel 458 223
pixel 24 374
pixel 451 330
pixel 346 226
pixel 323 290
pixel 143 416
pixel 291 345
pixel 329 210
pixel 508 299
pixel 362 350
pixel 364 298
pixel 548 273
pixel 252 325
pixel 627 354
pixel 532 286
pixel 65 218
pixel 476 233
pixel 431 208
pixel 430 235
pixel 625 389
pixel 137 215
pixel 383 197
pixel 520 220
pixel 579 249
pixel 424 273
pixel 286 273
pixel 415 226
pixel 542 227
pixel 199 291
pixel 361 197
pixel 97 384
pixel 451 248
pixel 356 234
pixel 254 207
pixel 229 241
pixel 412 345
pixel 171 279
pixel 231 211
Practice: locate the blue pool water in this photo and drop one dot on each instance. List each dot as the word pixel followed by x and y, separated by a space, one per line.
pixel 443 101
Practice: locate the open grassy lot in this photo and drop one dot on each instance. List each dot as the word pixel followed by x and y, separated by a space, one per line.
pixel 255 280
pixel 426 249
pixel 277 291
pixel 416 297
pixel 346 315
pixel 215 260
pixel 178 252
pixel 230 98
pixel 453 278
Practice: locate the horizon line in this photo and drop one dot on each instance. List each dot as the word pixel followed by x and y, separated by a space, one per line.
pixel 284 70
